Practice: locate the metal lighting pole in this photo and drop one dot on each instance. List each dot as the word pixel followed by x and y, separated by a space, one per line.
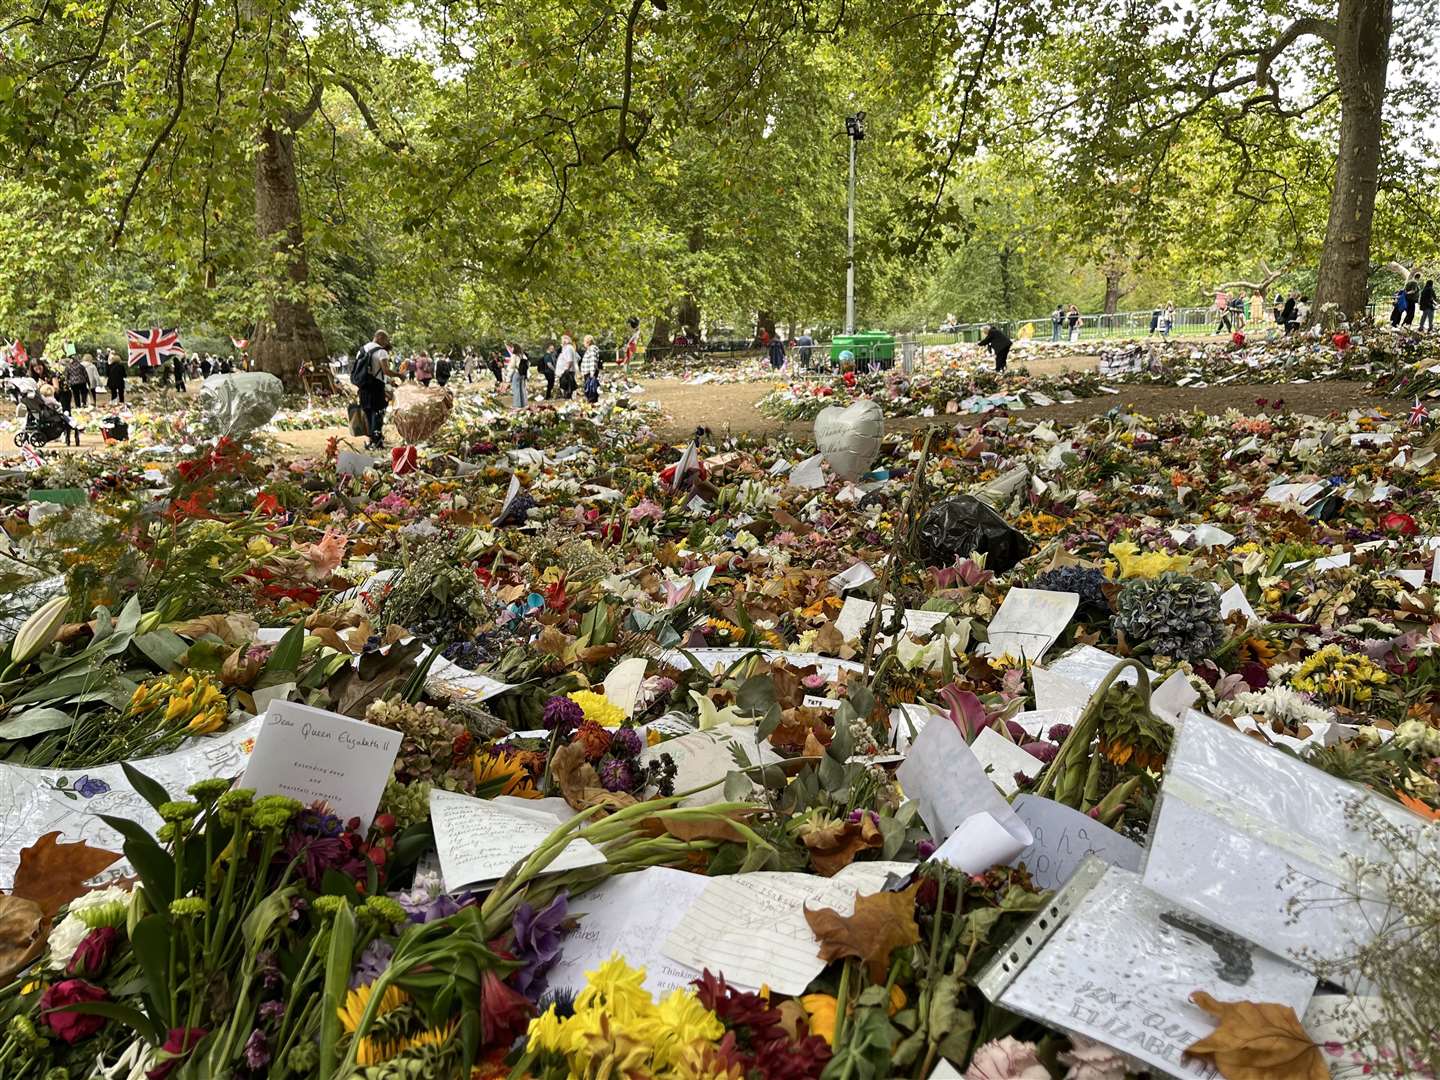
pixel 855 129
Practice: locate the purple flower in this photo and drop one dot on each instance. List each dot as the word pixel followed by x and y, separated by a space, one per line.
pixel 616 774
pixel 626 742
pixel 537 941
pixel 925 848
pixel 1044 751
pixel 87 787
pixel 372 963
pixel 272 1010
pixel 257 1050
pixel 1058 733
pixel 562 715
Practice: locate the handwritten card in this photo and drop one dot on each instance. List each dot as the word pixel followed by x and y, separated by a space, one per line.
pixel 943 775
pixel 479 840
pixel 752 927
pixel 705 757
pixel 319 756
pixel 1063 836
pixel 34 802
pixel 1120 967
pixel 855 614
pixel 631 914
pixel 1029 622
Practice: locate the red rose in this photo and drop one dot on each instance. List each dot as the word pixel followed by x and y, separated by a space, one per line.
pixel 1237 339
pixel 1404 524
pixel 178 1044
pixel 1341 341
pixel 71 1026
pixel 93 952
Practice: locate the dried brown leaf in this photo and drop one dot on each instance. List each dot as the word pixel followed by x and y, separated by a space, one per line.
pixel 580 783
pixel 22 934
pixel 1258 1041
pixel 53 874
pixel 880 924
pixel 834 847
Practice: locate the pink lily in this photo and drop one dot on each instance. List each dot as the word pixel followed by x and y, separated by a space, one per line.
pixel 967 712
pixel 677 592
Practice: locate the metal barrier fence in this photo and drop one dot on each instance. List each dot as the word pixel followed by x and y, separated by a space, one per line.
pixel 820 357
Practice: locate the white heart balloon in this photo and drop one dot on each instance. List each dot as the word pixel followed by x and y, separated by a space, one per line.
pixel 850 437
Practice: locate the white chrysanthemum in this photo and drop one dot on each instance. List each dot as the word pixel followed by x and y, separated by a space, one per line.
pixel 1280 703
pixel 65 939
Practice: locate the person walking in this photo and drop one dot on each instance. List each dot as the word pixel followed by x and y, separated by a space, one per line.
pixel 1237 311
pixel 566 365
pixel 1289 314
pixel 1277 309
pixel 1073 317
pixel 115 372
pixel 547 369
pixel 469 366
pixel 1427 305
pixel 1167 320
pixel 92 378
pixel 77 381
pixel 177 369
pixel 776 347
pixel 1222 308
pixel 806 345
pixel 998 342
pixel 1397 313
pixel 516 368
pixel 1155 318
pixel 370 368
pixel 590 370
pixel 424 369
pixel 1057 320
pixel 1412 298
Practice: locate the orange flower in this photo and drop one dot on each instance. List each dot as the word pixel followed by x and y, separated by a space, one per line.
pixel 1424 810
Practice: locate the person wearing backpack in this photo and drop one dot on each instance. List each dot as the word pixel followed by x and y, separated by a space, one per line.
pixel 368 371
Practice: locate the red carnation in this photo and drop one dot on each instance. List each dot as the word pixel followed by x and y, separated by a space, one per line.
pixel 71 1026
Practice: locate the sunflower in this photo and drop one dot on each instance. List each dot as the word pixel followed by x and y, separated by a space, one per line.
pixel 1256 651
pixel 508 770
pixel 376 1051
pixel 357 999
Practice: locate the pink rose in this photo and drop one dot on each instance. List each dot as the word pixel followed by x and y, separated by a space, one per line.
pixel 1006 1059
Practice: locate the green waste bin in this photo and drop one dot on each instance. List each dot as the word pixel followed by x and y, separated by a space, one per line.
pixel 843 342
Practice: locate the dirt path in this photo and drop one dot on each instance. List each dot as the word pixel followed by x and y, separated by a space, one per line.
pixel 730 407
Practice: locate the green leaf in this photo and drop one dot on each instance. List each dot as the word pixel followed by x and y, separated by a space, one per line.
pixel 285 657
pixel 756 695
pixel 338 965
pixel 35 722
pixel 257 925
pixel 150 942
pixel 130 1017
pixel 148 789
pixel 164 648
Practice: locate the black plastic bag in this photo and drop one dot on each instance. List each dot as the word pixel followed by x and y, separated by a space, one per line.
pixel 956 527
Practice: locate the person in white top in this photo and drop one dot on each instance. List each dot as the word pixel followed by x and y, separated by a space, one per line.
pixel 565 365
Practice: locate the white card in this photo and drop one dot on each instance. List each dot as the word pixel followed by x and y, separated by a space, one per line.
pixel 1063 836
pixel 1233 599
pixel 808 474
pixel 631 914
pixel 752 927
pixel 1002 759
pixel 319 756
pixel 1029 622
pixel 510 493
pixel 705 758
pixel 1055 693
pixel 853 578
pixel 948 782
pixel 853 622
pixel 982 842
pixel 479 840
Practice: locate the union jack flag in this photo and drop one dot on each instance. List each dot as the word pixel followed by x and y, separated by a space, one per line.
pixel 1419 414
pixel 149 347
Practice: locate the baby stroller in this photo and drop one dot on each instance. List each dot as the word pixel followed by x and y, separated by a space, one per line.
pixel 42 423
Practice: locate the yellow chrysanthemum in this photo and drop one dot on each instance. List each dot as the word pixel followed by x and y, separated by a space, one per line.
pixel 358 998
pixel 616 986
pixel 598 708
pixel 688 1019
pixel 1152 564
pixel 820 1010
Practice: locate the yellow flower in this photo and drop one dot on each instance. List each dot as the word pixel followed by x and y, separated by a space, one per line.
pixel 618 987
pixel 357 999
pixel 203 723
pixel 179 706
pixel 490 767
pixel 259 547
pixel 598 708
pixel 376 1051
pixel 1151 564
pixel 688 1020
pixel 652 737
pixel 820 1009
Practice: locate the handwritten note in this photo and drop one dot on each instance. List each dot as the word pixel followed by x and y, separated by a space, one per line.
pixel 1063 836
pixel 631 914
pixel 34 802
pixel 319 756
pixel 1029 622
pixel 1122 965
pixel 478 840
pixel 948 782
pixel 752 927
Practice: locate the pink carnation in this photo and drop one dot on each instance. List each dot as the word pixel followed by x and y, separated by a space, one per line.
pixel 1006 1059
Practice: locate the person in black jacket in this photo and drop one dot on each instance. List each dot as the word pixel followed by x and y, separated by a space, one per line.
pixel 998 342
pixel 115 372
pixel 1412 298
pixel 1427 305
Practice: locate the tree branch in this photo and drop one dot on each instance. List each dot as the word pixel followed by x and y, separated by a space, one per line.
pixel 395 145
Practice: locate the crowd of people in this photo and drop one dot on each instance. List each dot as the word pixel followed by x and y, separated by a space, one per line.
pixel 1411 298
pixel 565 366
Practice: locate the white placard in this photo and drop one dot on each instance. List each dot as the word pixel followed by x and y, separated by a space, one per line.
pixel 855 614
pixel 1002 759
pixel 479 840
pixel 319 756
pixel 1063 836
pixel 1257 840
pixel 853 578
pixel 631 914
pixel 1233 599
pixel 1029 622
pixel 34 802
pixel 752 927
pixel 1057 693
pixel 943 775
pixel 1121 966
pixel 809 474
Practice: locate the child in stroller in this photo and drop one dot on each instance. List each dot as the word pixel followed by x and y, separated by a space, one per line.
pixel 44 420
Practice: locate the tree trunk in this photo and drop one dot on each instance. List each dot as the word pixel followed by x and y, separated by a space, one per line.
pixel 765 320
pixel 38 334
pixel 1362 54
pixel 1113 277
pixel 687 316
pixel 290 337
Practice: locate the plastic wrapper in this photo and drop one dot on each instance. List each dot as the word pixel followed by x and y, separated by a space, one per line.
pixel 419 411
pixel 239 403
pixel 957 527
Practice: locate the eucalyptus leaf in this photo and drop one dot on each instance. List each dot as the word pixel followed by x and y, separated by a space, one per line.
pixel 35 722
